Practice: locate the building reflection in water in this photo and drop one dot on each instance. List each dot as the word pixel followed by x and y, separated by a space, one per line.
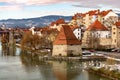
pixel 50 70
pixel 7 50
pixel 32 62
pixel 57 70
pixel 66 70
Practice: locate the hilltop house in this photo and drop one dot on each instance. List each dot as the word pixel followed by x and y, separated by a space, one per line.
pixel 96 35
pixel 86 19
pixel 57 24
pixel 110 19
pixel 66 44
pixel 116 35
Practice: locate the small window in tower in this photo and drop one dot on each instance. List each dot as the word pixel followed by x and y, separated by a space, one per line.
pixel 115 40
pixel 106 36
pixel 78 33
pixel 113 32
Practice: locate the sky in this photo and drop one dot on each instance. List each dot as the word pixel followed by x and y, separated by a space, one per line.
pixel 18 9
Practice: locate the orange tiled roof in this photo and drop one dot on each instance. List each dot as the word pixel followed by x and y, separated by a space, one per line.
pixel 60 21
pixel 78 15
pixel 104 13
pixel 92 12
pixel 66 37
pixel 52 23
pixel 57 22
pixel 117 24
pixel 73 27
pixel 96 26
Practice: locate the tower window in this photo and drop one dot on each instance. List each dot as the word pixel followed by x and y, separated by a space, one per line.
pixel 115 40
pixel 113 32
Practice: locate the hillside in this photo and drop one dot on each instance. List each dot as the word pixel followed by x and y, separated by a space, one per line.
pixel 37 22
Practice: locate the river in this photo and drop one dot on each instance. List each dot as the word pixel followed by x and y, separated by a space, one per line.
pixel 24 66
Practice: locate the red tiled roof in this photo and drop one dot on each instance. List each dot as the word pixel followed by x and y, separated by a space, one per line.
pixel 66 37
pixel 117 24
pixel 92 12
pixel 73 27
pixel 104 13
pixel 57 22
pixel 96 26
pixel 52 23
pixel 78 15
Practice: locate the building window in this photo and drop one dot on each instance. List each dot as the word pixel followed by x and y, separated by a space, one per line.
pixel 113 28
pixel 78 33
pixel 106 36
pixel 113 32
pixel 103 18
pixel 115 40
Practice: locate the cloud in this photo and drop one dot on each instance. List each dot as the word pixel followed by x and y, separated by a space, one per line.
pixel 10 8
pixel 21 4
pixel 75 3
pixel 35 2
pixel 98 3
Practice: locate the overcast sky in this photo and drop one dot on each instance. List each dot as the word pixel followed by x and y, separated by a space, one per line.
pixel 18 9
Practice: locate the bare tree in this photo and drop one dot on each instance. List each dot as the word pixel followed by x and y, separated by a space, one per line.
pixel 93 41
pixel 31 42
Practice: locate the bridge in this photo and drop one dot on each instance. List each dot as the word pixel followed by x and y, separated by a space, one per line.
pixel 4 32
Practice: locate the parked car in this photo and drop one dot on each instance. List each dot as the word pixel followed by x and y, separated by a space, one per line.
pixel 115 50
pixel 99 54
pixel 92 50
pixel 86 53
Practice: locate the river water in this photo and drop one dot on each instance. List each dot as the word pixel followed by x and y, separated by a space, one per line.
pixel 24 66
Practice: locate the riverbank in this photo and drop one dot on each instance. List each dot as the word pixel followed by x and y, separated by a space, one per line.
pixel 110 74
pixel 82 58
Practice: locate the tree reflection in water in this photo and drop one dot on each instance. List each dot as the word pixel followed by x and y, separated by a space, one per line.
pixel 57 70
pixel 28 60
pixel 50 70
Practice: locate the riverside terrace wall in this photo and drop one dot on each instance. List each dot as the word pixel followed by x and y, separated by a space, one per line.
pixel 87 58
pixel 64 50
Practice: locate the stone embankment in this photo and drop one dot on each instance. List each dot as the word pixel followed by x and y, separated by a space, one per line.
pixel 87 58
pixel 111 74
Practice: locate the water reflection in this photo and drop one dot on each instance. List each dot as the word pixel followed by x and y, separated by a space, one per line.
pixel 28 66
pixel 66 70
pixel 55 70
pixel 29 60
pixel 8 50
